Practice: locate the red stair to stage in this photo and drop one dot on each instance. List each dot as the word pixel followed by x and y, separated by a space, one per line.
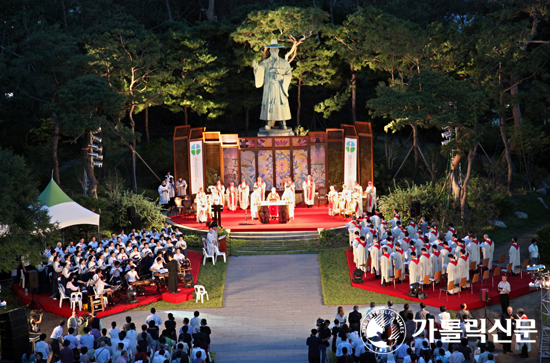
pixel 520 287
pixel 305 220
pixel 151 296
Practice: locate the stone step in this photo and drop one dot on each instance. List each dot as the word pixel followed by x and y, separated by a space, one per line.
pixel 275 236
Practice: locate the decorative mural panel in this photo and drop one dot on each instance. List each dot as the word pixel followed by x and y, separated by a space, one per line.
pixel 265 167
pixel 247 143
pixel 282 166
pixel 317 137
pixel 230 165
pixel 264 142
pixel 282 141
pixel 318 170
pixel 248 166
pixel 300 167
pixel 300 141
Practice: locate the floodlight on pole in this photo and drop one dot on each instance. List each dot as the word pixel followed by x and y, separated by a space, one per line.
pixel 96 156
pixel 447 134
pixel 445 142
pixel 97 164
pixel 96 138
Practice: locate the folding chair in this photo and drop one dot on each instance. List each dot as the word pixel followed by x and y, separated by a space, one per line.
pixel 449 288
pixel 524 267
pixel 484 265
pixel 473 281
pixel 425 281
pixel 486 275
pixel 495 274
pixel 437 277
pixel 502 260
pixel 397 276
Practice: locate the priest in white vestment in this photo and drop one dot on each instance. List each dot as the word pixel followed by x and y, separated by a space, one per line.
pixel 488 250
pixel 452 273
pixel 332 199
pixel 473 250
pixel 514 256
pixel 288 196
pixel 385 266
pixel 308 186
pixel 243 192
pixel 435 261
pixel 164 193
pixel 463 265
pixel 181 187
pixel 202 206
pixel 260 184
pixel 221 192
pixel 232 197
pixel 397 259
pixel 374 252
pixel 255 199
pixel 450 232
pixel 414 269
pixel 425 268
pixel 370 193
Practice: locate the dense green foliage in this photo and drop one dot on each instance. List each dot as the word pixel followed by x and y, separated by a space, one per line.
pixel 137 69
pixel 543 241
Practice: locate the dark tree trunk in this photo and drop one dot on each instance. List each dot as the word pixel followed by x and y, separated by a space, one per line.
pixel 186 116
pixel 507 148
pixel 353 94
pixel 64 13
pixel 455 179
pixel 464 189
pixel 210 11
pixel 246 120
pixel 299 102
pixel 55 144
pixel 168 9
pixel 416 150
pixel 147 124
pixel 133 149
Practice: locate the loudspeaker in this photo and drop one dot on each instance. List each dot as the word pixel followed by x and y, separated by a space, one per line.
pixel 33 279
pixel 131 211
pixel 484 295
pixel 135 220
pixel 414 290
pixel 415 209
pixel 14 330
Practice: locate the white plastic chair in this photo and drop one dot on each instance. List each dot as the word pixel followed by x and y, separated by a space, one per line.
pixel 200 291
pixel 218 253
pixel 22 279
pixel 204 243
pixel 76 297
pixel 62 295
pixel 97 296
pixel 206 255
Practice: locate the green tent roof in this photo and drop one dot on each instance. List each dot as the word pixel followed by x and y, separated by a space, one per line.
pixel 53 195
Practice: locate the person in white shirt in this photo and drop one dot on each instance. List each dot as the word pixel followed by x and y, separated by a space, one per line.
pixel 132 275
pixel 57 333
pixel 102 354
pixel 533 252
pixel 195 321
pixel 42 347
pixel 178 256
pixel 154 317
pixel 443 316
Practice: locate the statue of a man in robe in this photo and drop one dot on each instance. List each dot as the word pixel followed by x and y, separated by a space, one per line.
pixel 274 74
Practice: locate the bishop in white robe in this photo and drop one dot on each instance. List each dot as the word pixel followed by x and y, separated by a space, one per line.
pixel 260 184
pixel 232 197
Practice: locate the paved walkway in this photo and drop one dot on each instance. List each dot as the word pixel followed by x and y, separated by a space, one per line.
pixel 271 303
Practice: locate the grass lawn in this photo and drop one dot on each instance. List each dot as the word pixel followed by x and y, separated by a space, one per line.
pixel 238 247
pixel 212 277
pixel 526 203
pixel 336 283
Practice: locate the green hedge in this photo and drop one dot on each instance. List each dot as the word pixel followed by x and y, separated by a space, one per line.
pixel 543 241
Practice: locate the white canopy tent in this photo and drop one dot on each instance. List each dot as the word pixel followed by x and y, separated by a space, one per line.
pixel 63 210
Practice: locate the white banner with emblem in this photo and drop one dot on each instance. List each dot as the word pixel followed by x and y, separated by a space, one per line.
pixel 195 166
pixel 350 161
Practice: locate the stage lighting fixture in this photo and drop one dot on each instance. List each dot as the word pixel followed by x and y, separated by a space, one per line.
pixel 96 138
pixel 96 156
pixel 97 131
pixel 96 148
pixel 188 281
pixel 445 142
pixel 446 134
pixel 97 164
pixel 131 297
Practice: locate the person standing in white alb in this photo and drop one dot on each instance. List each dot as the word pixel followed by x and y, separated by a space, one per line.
pixel 221 192
pixel 308 186
pixel 371 197
pixel 232 197
pixel 164 194
pixel 255 199
pixel 514 256
pixel 243 192
pixel 533 252
pixel 181 187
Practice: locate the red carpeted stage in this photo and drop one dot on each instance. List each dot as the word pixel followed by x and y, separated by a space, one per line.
pixel 151 296
pixel 520 287
pixel 305 219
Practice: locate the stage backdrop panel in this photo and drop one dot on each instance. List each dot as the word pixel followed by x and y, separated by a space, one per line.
pixel 300 167
pixel 230 165
pixel 282 167
pixel 318 170
pixel 196 170
pixel 350 161
pixel 265 167
pixel 248 167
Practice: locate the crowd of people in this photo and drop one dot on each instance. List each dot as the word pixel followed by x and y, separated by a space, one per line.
pixel 101 267
pixel 422 252
pixel 154 342
pixel 416 343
